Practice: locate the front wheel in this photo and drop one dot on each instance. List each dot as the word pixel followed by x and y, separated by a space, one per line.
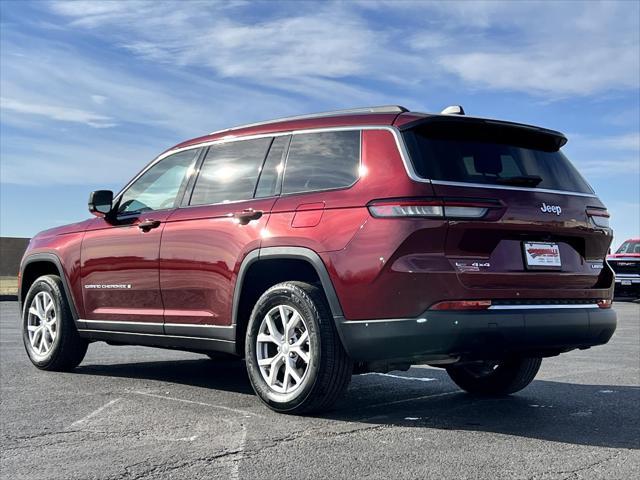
pixel 295 360
pixel 495 377
pixel 48 329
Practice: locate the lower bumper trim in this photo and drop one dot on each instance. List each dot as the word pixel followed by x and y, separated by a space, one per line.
pixel 479 334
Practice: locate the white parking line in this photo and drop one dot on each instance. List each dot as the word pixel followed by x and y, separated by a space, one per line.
pixel 94 413
pixel 235 467
pixel 417 379
pixel 412 399
pixel 203 404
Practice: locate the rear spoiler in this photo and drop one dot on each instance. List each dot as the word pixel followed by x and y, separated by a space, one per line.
pixel 481 129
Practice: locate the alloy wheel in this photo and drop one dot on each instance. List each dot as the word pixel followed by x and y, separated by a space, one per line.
pixel 42 324
pixel 283 349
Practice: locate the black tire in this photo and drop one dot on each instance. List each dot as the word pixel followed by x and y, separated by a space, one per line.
pixel 67 349
pixel 495 378
pixel 329 367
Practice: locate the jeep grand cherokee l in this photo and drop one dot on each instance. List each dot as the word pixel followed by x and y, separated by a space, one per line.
pixel 322 245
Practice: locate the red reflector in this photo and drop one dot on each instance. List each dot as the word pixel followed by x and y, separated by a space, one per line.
pixel 604 303
pixel 462 305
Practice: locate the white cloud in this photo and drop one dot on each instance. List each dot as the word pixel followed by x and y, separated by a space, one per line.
pixel 627 141
pixel 99 99
pixel 55 112
pixel 553 50
pixel 606 156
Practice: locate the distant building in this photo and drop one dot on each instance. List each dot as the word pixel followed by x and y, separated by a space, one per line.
pixel 11 251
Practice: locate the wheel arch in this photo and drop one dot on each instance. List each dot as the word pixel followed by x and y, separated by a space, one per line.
pixel 36 265
pixel 256 274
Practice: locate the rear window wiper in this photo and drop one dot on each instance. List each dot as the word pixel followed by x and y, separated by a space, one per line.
pixel 521 180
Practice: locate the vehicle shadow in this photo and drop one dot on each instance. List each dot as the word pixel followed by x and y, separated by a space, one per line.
pixel 596 415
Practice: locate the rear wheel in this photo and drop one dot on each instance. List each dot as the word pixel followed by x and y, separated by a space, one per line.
pixel 48 329
pixel 295 360
pixel 495 377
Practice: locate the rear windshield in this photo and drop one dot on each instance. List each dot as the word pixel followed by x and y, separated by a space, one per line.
pixel 469 155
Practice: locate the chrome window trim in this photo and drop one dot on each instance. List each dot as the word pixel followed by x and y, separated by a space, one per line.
pixel 508 187
pixel 225 139
pixel 404 154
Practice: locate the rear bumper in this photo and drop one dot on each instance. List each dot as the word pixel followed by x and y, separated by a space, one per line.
pixel 627 285
pixel 482 334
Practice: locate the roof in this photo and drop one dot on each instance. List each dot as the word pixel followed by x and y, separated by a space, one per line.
pixel 385 115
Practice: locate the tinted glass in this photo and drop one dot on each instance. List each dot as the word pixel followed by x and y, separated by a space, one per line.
pixel 271 173
pixel 318 161
pixel 230 171
pixel 159 186
pixel 483 161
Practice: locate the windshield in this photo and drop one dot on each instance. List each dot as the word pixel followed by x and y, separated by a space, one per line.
pixel 630 246
pixel 466 155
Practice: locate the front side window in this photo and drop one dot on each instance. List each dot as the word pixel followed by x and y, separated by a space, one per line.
pixel 230 171
pixel 323 160
pixel 158 187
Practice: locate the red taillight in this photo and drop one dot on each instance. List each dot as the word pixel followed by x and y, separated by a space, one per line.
pixel 462 305
pixel 430 208
pixel 599 216
pixel 604 303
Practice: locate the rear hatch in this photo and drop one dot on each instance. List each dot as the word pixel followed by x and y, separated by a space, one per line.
pixel 543 226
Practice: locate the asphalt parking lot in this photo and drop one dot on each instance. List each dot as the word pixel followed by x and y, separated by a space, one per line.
pixel 136 412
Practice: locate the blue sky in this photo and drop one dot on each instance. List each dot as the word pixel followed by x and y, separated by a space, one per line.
pixel 91 91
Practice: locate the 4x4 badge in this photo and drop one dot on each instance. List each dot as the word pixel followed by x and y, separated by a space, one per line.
pixel 551 208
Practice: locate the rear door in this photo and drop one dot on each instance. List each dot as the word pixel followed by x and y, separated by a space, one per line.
pixel 205 241
pixel 540 229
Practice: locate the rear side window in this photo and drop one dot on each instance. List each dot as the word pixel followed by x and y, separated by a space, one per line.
pixel 230 171
pixel 323 160
pixel 460 156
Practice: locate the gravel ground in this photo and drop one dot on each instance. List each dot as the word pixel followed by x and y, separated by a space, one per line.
pixel 136 412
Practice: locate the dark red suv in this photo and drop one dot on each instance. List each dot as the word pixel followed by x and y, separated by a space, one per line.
pixel 322 245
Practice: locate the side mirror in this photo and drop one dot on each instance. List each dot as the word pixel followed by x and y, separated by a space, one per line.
pixel 100 202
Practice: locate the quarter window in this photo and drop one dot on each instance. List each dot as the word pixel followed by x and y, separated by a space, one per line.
pixel 323 160
pixel 159 186
pixel 271 174
pixel 230 171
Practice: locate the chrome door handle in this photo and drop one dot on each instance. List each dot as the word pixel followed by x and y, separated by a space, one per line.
pixel 248 215
pixel 148 224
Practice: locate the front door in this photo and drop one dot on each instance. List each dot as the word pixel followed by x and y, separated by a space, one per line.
pixel 120 256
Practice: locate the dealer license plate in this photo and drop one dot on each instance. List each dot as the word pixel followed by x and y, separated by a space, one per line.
pixel 540 255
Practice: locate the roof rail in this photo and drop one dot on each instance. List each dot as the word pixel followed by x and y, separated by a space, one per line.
pixel 349 111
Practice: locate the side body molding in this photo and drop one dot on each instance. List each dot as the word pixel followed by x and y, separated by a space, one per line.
pixel 53 259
